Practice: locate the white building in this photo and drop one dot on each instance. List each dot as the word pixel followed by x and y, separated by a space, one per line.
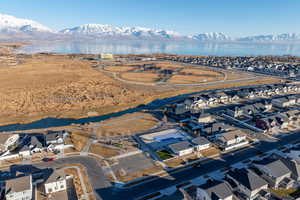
pixel 201 143
pixel 232 139
pixel 182 148
pixel 19 188
pixel 56 182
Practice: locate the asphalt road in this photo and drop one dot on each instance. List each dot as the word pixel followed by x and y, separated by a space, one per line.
pixel 191 173
pixel 94 171
pixel 106 191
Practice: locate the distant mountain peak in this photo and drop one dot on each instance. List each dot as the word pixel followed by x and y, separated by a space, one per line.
pixel 10 23
pixel 17 28
pixel 100 30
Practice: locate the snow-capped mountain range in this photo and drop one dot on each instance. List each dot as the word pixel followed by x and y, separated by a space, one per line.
pixel 17 28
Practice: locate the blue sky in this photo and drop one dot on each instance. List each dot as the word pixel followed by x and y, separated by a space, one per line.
pixel 233 17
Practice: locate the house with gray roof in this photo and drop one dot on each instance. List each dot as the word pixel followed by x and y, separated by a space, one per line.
pixel 201 143
pixel 215 190
pixel 274 171
pixel 247 182
pixel 19 188
pixel 182 148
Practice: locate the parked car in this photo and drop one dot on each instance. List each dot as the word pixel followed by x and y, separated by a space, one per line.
pixel 48 159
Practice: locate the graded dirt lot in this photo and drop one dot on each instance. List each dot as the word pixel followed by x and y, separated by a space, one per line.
pixel 140 77
pixel 118 68
pixel 127 124
pixel 184 79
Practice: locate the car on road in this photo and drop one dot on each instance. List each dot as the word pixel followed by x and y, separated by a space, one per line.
pixel 48 159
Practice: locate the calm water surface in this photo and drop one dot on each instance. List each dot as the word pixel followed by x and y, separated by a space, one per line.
pixel 188 48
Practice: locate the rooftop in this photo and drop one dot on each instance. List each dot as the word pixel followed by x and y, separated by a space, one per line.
pixel 18 184
pixel 247 178
pixel 200 141
pixel 179 146
pixel 55 176
pixel 233 134
pixel 275 166
pixel 217 189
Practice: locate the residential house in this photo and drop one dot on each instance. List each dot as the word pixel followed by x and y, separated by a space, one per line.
pixel 216 128
pixel 260 107
pixel 232 95
pixel 234 112
pixel 25 151
pixel 247 182
pixel 180 108
pixel 199 102
pixel 56 182
pixel 249 110
pixel 274 171
pixel 273 123
pixel 214 190
pixel 182 148
pixel 223 97
pixel 19 188
pixel 35 144
pixel 292 161
pixel 205 118
pixel 55 137
pixel 201 143
pixel 232 139
pixel 281 102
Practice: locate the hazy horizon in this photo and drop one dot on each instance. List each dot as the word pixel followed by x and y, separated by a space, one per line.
pixel 234 18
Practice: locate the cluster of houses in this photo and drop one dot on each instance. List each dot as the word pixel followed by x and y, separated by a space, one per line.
pixel 187 147
pixel 253 181
pixel 25 145
pixel 272 116
pixel 265 65
pixel 198 102
pixel 51 184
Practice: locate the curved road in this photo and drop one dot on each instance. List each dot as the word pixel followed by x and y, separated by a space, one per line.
pixel 103 189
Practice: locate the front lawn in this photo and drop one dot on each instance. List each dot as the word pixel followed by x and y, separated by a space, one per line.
pixel 164 155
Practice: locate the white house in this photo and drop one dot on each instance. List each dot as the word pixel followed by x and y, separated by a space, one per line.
pixel 25 151
pixel 232 139
pixel 56 182
pixel 201 143
pixel 182 148
pixel 19 188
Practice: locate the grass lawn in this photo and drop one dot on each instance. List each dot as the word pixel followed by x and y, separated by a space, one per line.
pixel 164 155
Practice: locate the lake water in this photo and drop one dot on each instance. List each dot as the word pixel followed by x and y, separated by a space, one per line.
pixel 188 48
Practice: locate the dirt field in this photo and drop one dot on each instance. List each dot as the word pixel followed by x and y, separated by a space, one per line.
pixel 167 65
pixel 57 86
pixel 8 48
pixel 138 174
pixel 202 72
pixel 104 151
pixel 127 124
pixel 184 79
pixel 118 68
pixel 140 77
